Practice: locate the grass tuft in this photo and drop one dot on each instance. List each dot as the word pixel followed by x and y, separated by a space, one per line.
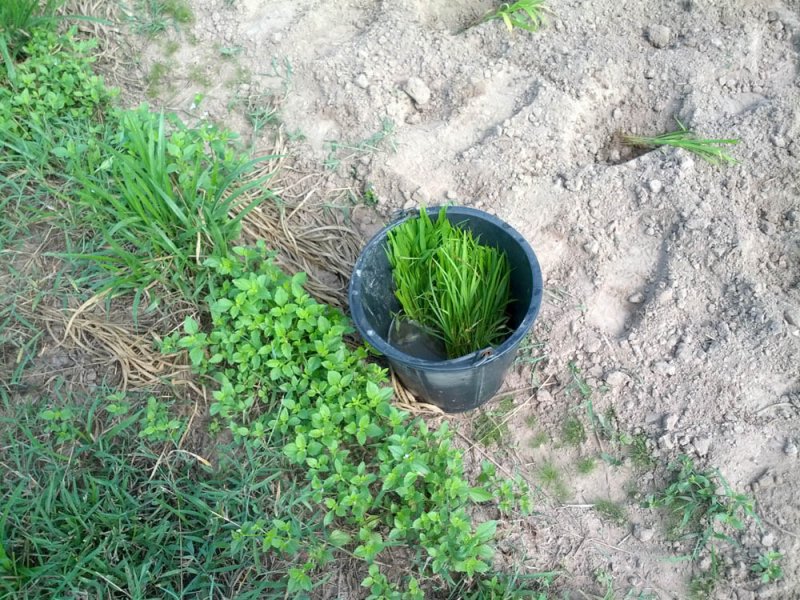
pixel 450 283
pixel 524 14
pixel 709 150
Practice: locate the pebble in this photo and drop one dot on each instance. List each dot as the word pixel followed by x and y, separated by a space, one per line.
pixel 419 92
pixel 658 35
pixel 790 448
pixel 636 298
pixel 792 316
pixel 669 421
pixel 643 534
pixel 616 378
pixel 768 540
pixel 662 367
pixel 421 196
pixel 655 186
pixel 592 345
pixel 592 247
pixel 451 195
pixel 362 81
pixel 666 442
pixel 702 445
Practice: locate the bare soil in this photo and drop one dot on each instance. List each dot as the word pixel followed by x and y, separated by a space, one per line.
pixel 672 284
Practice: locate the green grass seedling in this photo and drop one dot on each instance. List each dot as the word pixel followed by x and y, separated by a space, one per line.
pixel 491 425
pixel 587 465
pixel 550 478
pixel 611 511
pixel 450 283
pixel 524 14
pixel 574 432
pixel 709 150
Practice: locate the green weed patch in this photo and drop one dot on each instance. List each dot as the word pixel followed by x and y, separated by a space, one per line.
pixel 284 375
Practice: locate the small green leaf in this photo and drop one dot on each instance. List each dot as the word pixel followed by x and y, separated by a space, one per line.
pixel 281 297
pixel 480 495
pixel 190 326
pixel 339 538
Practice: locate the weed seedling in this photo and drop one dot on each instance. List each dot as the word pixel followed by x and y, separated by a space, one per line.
pixel 524 14
pixel 611 511
pixel 640 453
pixel 701 511
pixel 574 432
pixel 374 143
pixel 767 567
pixel 550 478
pixel 707 149
pixel 539 439
pixel 491 426
pixel 586 465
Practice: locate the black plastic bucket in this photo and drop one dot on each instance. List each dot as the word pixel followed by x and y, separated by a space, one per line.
pixel 462 383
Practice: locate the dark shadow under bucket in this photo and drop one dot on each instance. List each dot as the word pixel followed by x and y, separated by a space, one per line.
pixel 463 383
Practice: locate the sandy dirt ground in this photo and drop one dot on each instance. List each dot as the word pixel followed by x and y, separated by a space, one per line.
pixel 672 285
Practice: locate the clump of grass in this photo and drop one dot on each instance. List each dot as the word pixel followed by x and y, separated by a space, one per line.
pixel 539 439
pixel 155 79
pixel 550 478
pixel 524 14
pixel 162 203
pixel 384 137
pixel 700 511
pixel 450 283
pixel 640 453
pixel 152 17
pixel 587 465
pixel 573 431
pixel 709 150
pixel 611 511
pixel 491 426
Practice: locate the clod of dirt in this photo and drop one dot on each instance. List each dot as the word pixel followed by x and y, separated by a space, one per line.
pixel 419 92
pixel 659 35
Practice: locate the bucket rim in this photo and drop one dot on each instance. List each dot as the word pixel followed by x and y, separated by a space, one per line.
pixel 359 318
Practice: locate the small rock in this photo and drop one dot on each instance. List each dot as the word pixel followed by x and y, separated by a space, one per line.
pixel 659 36
pixel 768 540
pixel 592 345
pixel 451 195
pixel 772 16
pixel 792 316
pixel 655 186
pixel 544 397
pixel 362 81
pixel 643 534
pixel 662 367
pixel 616 378
pixel 421 196
pixel 669 421
pixel 701 445
pixel 636 298
pixel 592 247
pixel 419 92
pixel 666 442
pixel 409 205
pixel 790 448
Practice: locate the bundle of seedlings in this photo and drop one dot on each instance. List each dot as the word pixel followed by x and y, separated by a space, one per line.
pixel 449 283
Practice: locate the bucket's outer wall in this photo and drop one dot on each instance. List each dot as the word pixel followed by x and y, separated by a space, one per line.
pixel 464 383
